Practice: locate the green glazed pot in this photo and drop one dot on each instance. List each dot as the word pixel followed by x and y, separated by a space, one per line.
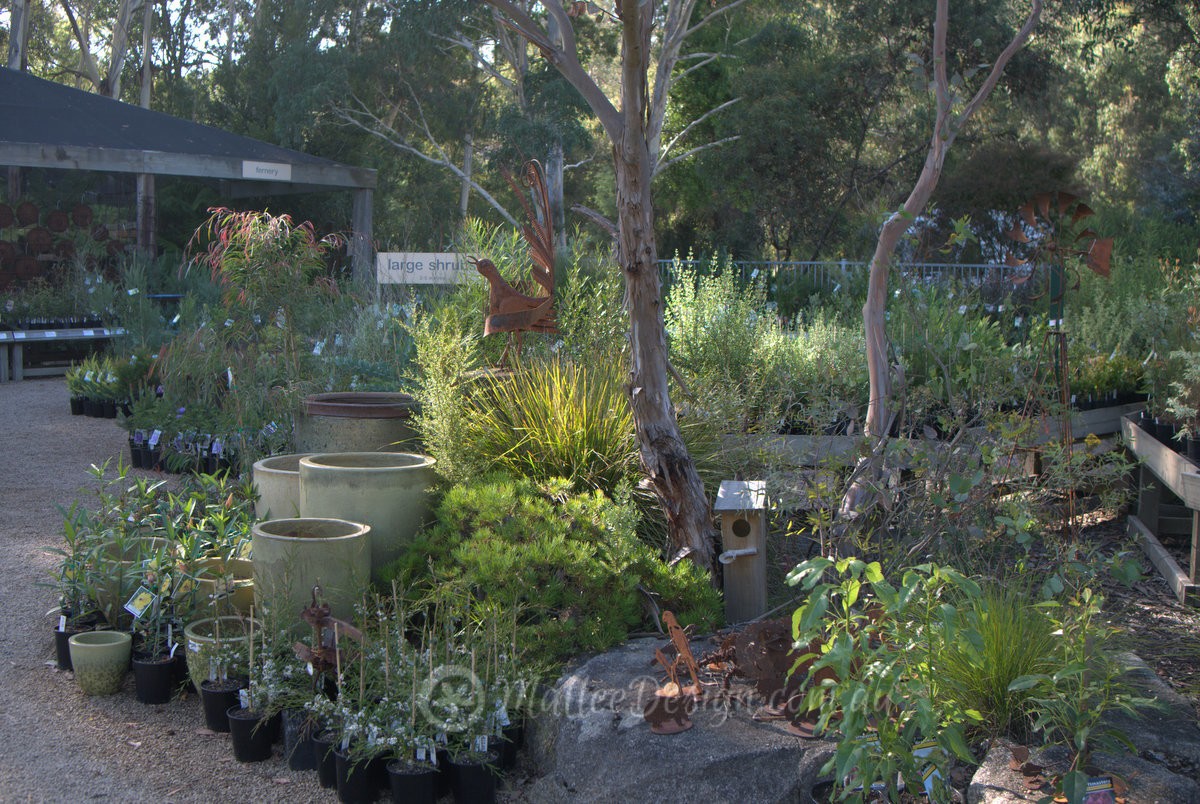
pixel 228 583
pixel 115 579
pixel 387 490
pixel 357 421
pixel 203 645
pixel 100 659
pixel 293 555
pixel 277 480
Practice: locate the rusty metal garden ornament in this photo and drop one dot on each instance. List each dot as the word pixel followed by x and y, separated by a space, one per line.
pixel 529 308
pixel 668 712
pixel 328 654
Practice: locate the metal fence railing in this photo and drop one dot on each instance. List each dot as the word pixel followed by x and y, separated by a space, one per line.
pixel 833 275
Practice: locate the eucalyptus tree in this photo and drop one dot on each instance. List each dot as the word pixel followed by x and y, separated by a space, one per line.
pixel 632 112
pixel 954 105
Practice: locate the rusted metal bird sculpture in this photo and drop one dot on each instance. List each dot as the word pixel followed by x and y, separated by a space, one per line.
pixel 519 310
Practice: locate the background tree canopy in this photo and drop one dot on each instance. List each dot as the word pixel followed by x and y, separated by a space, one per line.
pixel 791 128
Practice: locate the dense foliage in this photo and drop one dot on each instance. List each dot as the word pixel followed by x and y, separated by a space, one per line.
pixel 819 112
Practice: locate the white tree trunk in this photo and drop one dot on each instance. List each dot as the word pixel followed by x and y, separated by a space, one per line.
pixel 866 488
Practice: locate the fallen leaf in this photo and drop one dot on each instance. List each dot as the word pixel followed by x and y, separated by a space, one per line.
pixel 281 780
pixel 205 732
pixel 134 743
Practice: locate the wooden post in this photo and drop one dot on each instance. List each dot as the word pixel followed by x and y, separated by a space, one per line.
pixel 362 256
pixel 742 506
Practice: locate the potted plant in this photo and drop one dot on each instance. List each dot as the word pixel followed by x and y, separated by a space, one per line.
pixel 253 723
pixel 1184 402
pixel 156 625
pixel 76 609
pixel 217 656
pixel 76 388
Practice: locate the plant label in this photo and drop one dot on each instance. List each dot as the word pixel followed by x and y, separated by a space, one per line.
pixel 87 377
pixel 1100 790
pixel 62 622
pixel 217 447
pixel 193 646
pixel 481 744
pixel 154 437
pixel 141 600
pixel 420 753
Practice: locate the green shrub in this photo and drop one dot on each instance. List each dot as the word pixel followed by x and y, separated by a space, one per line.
pixel 570 563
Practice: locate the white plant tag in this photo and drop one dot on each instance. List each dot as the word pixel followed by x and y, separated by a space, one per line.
pixel 481 743
pixel 62 622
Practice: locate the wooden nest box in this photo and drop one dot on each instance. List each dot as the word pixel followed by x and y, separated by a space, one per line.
pixel 742 507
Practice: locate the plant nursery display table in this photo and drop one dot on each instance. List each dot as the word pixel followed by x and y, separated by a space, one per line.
pixel 1164 469
pixel 12 347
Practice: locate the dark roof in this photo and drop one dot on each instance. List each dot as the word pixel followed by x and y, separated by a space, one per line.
pixel 44 124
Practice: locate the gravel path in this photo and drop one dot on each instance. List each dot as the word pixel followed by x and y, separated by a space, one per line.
pixel 61 745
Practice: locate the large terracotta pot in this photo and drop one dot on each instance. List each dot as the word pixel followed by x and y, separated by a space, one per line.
pixel 293 555
pixel 277 480
pixel 357 421
pixel 387 490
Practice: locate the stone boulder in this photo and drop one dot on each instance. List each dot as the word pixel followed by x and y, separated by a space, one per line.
pixel 1166 768
pixel 590 742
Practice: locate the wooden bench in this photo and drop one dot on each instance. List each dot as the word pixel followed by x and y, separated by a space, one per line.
pixel 12 358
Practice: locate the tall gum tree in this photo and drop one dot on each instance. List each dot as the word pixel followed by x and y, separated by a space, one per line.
pixel 652 36
pixel 951 115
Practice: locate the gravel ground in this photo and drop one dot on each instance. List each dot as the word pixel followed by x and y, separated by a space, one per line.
pixel 63 746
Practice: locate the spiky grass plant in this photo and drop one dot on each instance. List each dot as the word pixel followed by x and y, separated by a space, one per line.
pixel 556 418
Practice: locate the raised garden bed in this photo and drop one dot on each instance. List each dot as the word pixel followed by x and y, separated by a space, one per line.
pixel 1164 469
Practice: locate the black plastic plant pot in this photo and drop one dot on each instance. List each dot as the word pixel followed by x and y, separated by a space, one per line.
pixel 322 746
pixel 355 782
pixel 250 734
pixel 414 782
pixel 509 743
pixel 154 679
pixel 62 646
pixel 473 779
pixel 76 406
pixel 298 728
pixel 217 697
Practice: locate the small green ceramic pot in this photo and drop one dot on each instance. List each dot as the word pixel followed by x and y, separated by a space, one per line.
pixel 100 659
